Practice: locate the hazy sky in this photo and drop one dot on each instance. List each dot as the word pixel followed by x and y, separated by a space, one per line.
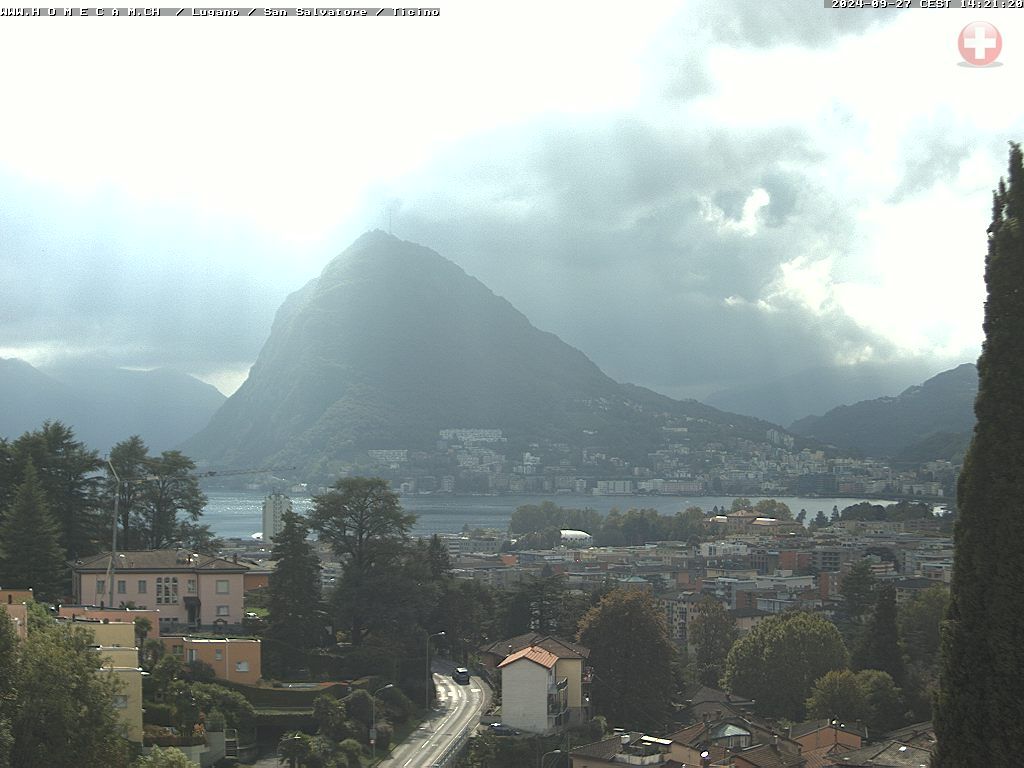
pixel 696 195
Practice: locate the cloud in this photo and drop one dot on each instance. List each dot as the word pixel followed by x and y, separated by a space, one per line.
pixel 657 250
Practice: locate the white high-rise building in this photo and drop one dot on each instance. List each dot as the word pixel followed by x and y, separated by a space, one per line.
pixel 274 506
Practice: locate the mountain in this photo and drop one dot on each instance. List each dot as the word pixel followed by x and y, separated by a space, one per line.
pixel 393 343
pixel 105 404
pixel 934 416
pixel 816 390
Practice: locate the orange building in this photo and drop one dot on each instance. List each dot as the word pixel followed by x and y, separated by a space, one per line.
pixel 126 615
pixel 233 659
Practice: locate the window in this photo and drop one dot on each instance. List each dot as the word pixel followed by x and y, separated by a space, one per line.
pixel 122 587
pixel 241 666
pixel 101 586
pixel 222 610
pixel 166 590
pixel 223 587
pixel 191 587
pixel 193 654
pixel 120 701
pixel 142 586
pixel 218 654
pixel 178 650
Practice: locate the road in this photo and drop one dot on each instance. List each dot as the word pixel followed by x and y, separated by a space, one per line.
pixel 458 708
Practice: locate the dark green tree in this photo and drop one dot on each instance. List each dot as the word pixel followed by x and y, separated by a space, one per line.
pixel 919 622
pixel 67 472
pixel 979 714
pixel 65 716
pixel 633 680
pixel 174 491
pixel 858 590
pixel 30 551
pixel 880 646
pixel 711 632
pixel 773 508
pixel 819 521
pixel 363 522
pixel 296 621
pixel 777 662
pixel 8 680
pixel 129 459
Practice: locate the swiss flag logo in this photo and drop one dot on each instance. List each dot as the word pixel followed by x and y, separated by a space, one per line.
pixel 980 43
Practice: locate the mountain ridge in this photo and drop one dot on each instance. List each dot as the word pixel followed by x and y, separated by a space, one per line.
pixel 938 412
pixel 394 342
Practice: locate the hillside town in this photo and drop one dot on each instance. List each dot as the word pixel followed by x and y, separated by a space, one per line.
pixel 478 460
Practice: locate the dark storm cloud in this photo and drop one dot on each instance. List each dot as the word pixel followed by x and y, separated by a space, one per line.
pixel 628 240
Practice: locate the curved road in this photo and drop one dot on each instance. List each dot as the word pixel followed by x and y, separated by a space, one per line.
pixel 458 709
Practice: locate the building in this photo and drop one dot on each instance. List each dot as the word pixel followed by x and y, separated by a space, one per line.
pixel 274 507
pixel 534 697
pixel 189 590
pixel 237 660
pixel 567 678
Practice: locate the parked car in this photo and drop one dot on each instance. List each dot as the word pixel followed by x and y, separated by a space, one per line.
pixel 500 729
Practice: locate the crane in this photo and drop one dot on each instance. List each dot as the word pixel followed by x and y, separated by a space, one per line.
pixel 118 481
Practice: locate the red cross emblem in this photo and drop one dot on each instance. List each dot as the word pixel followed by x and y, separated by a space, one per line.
pixel 980 43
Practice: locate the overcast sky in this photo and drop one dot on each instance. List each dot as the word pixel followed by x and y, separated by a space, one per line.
pixel 695 195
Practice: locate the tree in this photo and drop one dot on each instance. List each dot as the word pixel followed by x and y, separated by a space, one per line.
pixel 65 716
pixel 880 646
pixel 173 492
pixel 711 632
pixel 67 472
pixel 978 710
pixel 632 684
pixel 30 551
pixel 773 508
pixel 293 598
pixel 777 662
pixel 801 516
pixel 869 696
pixel 819 521
pixel 365 525
pixel 837 694
pixel 919 623
pixel 858 590
pixel 740 504
pixel 128 458
pixel 8 680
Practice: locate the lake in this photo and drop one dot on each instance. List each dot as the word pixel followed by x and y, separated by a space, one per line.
pixel 238 514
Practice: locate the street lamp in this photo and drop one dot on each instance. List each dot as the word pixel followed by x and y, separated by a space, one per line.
pixel 430 681
pixel 373 719
pixel 552 752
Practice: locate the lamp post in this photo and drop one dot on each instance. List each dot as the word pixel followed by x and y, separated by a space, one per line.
pixel 552 752
pixel 373 719
pixel 430 682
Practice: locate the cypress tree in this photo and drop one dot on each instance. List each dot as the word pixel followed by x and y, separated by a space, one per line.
pixel 979 712
pixel 30 552
pixel 293 598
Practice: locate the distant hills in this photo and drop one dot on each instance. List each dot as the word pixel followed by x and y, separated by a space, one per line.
pixel 393 343
pixel 933 420
pixel 104 404
pixel 787 398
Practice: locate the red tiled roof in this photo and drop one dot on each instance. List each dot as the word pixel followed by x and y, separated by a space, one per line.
pixel 533 653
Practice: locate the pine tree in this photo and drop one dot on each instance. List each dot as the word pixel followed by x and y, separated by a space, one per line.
pixel 30 552
pixel 293 598
pixel 979 714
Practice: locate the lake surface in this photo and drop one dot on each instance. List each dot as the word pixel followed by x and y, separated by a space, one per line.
pixel 238 514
